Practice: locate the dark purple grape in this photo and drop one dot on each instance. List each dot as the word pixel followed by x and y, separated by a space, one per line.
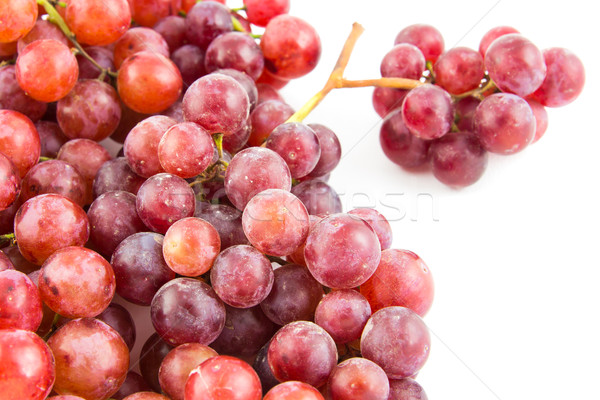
pixel 237 141
pixel 172 29
pixel 205 21
pixel 118 318
pixel 331 150
pixel 153 352
pixel 133 383
pixel 318 197
pixel 262 368
pixel 136 40
pixel 235 50
pixel 458 159
pixel 190 61
pixel 116 175
pixel 226 220
pixel 51 138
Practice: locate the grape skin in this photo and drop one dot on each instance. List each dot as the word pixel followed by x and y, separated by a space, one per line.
pixel 54 176
pixel 492 35
pixel 378 222
pixel 136 40
pixel 98 23
pixel 226 220
pixel 428 39
pixel 205 21
pixel 459 70
pixel 117 317
pixel 564 80
pixel 406 389
pixel 318 197
pixel 403 61
pixel 42 29
pixel 343 314
pixel 189 59
pixel 134 383
pixel 235 50
pixel 427 112
pixel 172 29
pixel 186 150
pixel 298 145
pixel 18 18
pixel 357 379
pixel 10 182
pixel 19 301
pixel 12 97
pixel 293 390
pixel 266 117
pixel 116 175
pixel 153 352
pixel 458 159
pixel 19 140
pixel 260 12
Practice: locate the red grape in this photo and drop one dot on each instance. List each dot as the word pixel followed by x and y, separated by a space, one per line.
pixel 19 140
pixel 298 145
pixel 464 110
pixel 218 103
pixel 18 18
pixel 187 310
pixel 386 100
pixel 262 368
pixel 91 359
pixel 541 119
pixel 242 277
pixel 515 64
pixel 237 141
pixel 266 117
pixel 271 79
pixel 378 222
pixel 358 379
pixel 459 70
pixel 564 80
pixel 20 302
pixel 318 197
pixel 223 377
pixel 5 262
pixel 149 82
pixel 54 176
pixel 153 352
pixel 293 390
pixel 402 354
pixel 177 365
pixel 43 29
pixel 235 50
pixel 172 29
pixel 116 175
pixel 205 21
pixel 139 39
pixel 428 39
pixel 47 70
pixel 298 255
pixel 189 59
pixel 98 23
pixel 260 12
pixel 504 123
pixel 26 365
pixel 291 47
pixel 458 159
pixel 403 61
pixel 247 83
pixel 146 396
pixel 12 97
pixel 10 182
pixel 406 389
pixel 331 150
pixel 267 92
pixel 492 35
pixel 65 224
pixel 19 262
pixel 186 150
pixel 343 314
pixel 427 112
pixel 302 351
pixel 51 138
pixel 149 12
pixel 342 251
pixel 117 317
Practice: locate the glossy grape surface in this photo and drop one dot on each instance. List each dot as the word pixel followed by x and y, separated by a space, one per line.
pixel 318 197
pixel 427 38
pixel 401 146
pixel 343 314
pixel 235 50
pixel 266 117
pixel 565 77
pixel 19 140
pixel 98 23
pixel 378 222
pixel 386 100
pixel 186 150
pixel 20 303
pixel 427 112
pixel 206 21
pixel 358 379
pixel 117 317
pixel 458 159
pixel 226 220
pixel 116 175
pixel 403 61
pixel 54 176
pixel 331 150
pixel 492 35
pixel 260 12
pixel 141 145
pixel 298 145
pixel 136 40
pixel 459 70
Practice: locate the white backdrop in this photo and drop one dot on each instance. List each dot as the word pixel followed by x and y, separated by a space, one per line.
pixel 514 256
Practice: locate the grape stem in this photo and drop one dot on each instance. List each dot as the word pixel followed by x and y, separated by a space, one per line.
pixel 8 238
pixel 7 62
pixel 479 92
pixel 57 19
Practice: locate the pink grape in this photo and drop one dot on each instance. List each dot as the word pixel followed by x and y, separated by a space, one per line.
pixel 343 314
pixel 235 50
pixel 10 182
pixel 358 379
pixel 318 197
pixel 266 117
pixel 458 159
pixel 428 39
pixel 406 389
pixel 564 80
pixel 12 97
pixel 293 390
pixel 378 222
pixel 205 21
pixel 190 62
pixel 226 220
pixel 116 175
pixel 464 110
pixel 331 151
pixel 399 145
pixel 20 302
pixel 298 145
pixel 385 100
pixel 54 176
pixel 172 29
pixel 427 112
pixel 492 35
pixel 403 61
pixel 541 119
pixel 185 150
pixel 459 70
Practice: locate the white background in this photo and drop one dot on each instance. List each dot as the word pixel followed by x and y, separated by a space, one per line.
pixel 514 257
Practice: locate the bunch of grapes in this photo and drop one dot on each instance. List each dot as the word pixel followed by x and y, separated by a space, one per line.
pixel 470 103
pixel 216 215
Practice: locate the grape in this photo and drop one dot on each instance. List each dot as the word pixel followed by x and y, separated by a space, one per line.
pixel 20 302
pixel 164 199
pixel 12 97
pixel 235 50
pixel 541 119
pixel 218 103
pixel 139 39
pixel 19 140
pixel 428 39
pixel 565 78
pixel 271 79
pixel 246 81
pixel 116 175
pixel 140 268
pixel 406 389
pixel 146 396
pixel 302 351
pixel 403 61
pixel 47 70
pixel 298 255
pixel 177 365
pixel 222 376
pixel 175 112
pixel 253 170
pixel 331 150
pixel 47 314
pixel 8 50
pixel 226 220
pixel 117 317
pixel 237 141
pixel 51 138
pixel 342 251
pixel 149 82
pixel 149 12
pixel 172 29
pixel 42 29
pixel 401 279
pixel 275 222
pixel 65 224
pixel 260 12
pixel 459 70
pixel 245 24
pixel 141 145
pixel 464 110
pixel 7 217
pixel 91 359
pixel 266 117
pixel 299 146
pixel 98 23
pixel 65 397
pixel 87 157
pixel 90 111
pixel 492 35
pixel 343 314
pixel 26 364
pixel 5 263
pixel 246 331
pixel 153 352
pixel 293 390
pixel 318 197
pixel 10 182
pixel 386 100
pixel 291 47
pixel 242 277
pixel 19 262
pixel 213 191
pixel 54 176
pixel 129 119
pixel 458 159
pixel 133 383
pixel 402 354
pixel 18 18
pixel 357 379
pixel 378 222
pixel 427 112
pixel 267 92
pixel 185 150
pixel 262 368
pixel 113 217
pixel 187 310
pixel 76 282
pixel 515 64
pixel 103 56
pixel 189 59
pixel 205 21
pixel 294 296
pixel 504 123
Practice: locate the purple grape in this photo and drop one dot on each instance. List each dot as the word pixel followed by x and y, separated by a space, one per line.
pixel 205 21
pixel 427 112
pixel 116 175
pixel 458 159
pixel 190 61
pixel 401 146
pixel 226 220
pixel 118 318
pixel 244 80
pixel 235 50
pixel 331 151
pixel 318 197
pixel 406 389
pixel 153 352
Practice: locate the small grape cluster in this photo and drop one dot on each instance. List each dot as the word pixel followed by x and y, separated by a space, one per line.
pixel 216 215
pixel 470 102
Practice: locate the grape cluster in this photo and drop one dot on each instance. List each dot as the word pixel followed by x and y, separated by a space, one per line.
pixel 469 102
pixel 216 216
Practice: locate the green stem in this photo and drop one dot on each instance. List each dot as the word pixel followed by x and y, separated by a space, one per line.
pixel 237 26
pixel 7 238
pixel 238 9
pixel 57 19
pixel 7 62
pixel 218 138
pixel 256 35
pixel 42 158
